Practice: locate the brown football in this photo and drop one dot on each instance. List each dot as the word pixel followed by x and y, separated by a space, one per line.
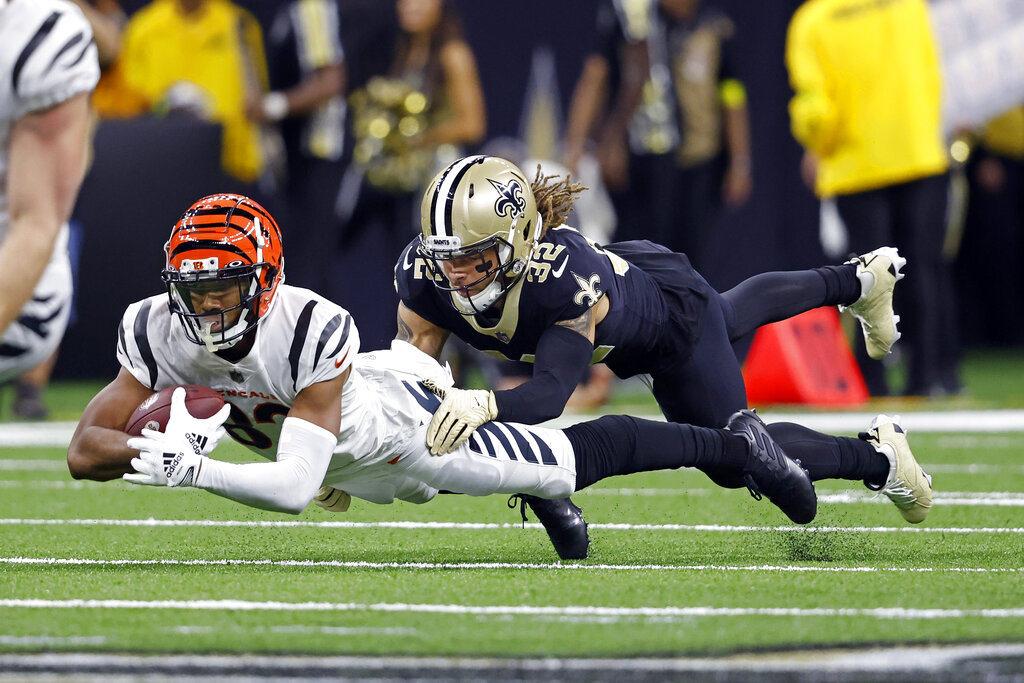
pixel 155 410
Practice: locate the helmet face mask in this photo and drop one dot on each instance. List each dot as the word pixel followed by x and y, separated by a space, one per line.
pixel 489 262
pixel 478 216
pixel 223 266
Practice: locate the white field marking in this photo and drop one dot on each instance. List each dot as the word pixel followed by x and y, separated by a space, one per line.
pixel 31 641
pixel 58 434
pixel 342 564
pixel 35 484
pixel 973 468
pixel 944 498
pixel 726 528
pixel 642 493
pixel 986 441
pixel 837 496
pixel 13 464
pixel 60 466
pixel 41 434
pixel 887 660
pixel 518 610
pixel 974 421
pixel 17 464
pixel 324 630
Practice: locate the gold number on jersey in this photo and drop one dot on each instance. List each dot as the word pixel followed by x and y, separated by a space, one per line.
pixel 422 272
pixel 540 264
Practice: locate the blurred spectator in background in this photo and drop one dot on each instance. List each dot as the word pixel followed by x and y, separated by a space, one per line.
pixel 113 98
pixel 990 281
pixel 50 66
pixel 675 142
pixel 867 108
pixel 106 20
pixel 407 125
pixel 203 58
pixel 307 78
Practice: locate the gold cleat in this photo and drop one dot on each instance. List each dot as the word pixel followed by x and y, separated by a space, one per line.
pixel 874 307
pixel 907 486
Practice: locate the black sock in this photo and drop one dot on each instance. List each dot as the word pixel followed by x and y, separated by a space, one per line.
pixel 830 457
pixel 842 287
pixel 619 444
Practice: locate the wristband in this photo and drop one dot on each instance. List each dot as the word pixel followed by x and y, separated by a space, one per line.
pixel 275 106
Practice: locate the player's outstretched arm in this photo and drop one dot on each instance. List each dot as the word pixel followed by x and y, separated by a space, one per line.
pixel 99 448
pixel 563 354
pixel 308 437
pixel 47 163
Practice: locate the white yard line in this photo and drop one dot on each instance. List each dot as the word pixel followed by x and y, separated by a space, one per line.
pixel 322 630
pixel 58 434
pixel 947 499
pixel 41 434
pixel 973 421
pixel 71 485
pixel 341 564
pixel 517 610
pixel 726 528
pixel 36 641
pixel 835 496
pixel 19 465
pixel 972 468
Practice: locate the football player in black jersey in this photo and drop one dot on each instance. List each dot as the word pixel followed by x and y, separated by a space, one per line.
pixel 496 266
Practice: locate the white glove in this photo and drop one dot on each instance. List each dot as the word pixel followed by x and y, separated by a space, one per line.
pixel 332 499
pixel 206 432
pixel 460 413
pixel 164 460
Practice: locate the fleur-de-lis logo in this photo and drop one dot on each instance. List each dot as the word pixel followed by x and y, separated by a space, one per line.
pixel 510 198
pixel 590 289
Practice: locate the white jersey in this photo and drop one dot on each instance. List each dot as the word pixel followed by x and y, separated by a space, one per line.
pixel 381 453
pixel 46 57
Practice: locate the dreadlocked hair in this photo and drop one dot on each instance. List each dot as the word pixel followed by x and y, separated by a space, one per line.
pixel 555 197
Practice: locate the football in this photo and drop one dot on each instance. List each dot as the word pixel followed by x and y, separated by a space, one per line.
pixel 155 410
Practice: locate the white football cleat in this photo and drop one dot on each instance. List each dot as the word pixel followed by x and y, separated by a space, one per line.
pixel 907 486
pixel 878 272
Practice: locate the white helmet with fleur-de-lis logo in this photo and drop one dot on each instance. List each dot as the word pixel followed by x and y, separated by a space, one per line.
pixel 476 204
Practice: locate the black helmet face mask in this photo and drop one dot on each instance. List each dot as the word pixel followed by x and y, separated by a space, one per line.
pixel 215 311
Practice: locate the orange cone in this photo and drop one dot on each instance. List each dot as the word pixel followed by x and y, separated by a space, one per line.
pixel 805 359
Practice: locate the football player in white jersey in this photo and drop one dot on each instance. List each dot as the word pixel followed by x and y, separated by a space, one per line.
pixel 298 394
pixel 48 66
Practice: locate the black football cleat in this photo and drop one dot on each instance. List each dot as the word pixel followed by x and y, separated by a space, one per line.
pixel 563 521
pixel 769 471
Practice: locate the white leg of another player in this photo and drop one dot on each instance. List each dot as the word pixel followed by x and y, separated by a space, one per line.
pixel 499 458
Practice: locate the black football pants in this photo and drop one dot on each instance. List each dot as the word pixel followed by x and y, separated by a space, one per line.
pixel 708 388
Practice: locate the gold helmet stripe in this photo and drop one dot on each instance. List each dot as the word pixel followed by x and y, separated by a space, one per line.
pixel 444 195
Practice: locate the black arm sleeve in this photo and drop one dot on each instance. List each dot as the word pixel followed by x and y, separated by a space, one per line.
pixel 561 363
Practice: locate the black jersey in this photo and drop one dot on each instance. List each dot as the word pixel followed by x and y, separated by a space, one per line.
pixel 656 301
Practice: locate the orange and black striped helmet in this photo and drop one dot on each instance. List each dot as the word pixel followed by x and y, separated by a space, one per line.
pixel 228 246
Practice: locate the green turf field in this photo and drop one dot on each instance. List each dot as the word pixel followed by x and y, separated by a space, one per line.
pixel 677 566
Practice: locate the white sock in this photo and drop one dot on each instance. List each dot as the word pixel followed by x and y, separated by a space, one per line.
pixel 867 281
